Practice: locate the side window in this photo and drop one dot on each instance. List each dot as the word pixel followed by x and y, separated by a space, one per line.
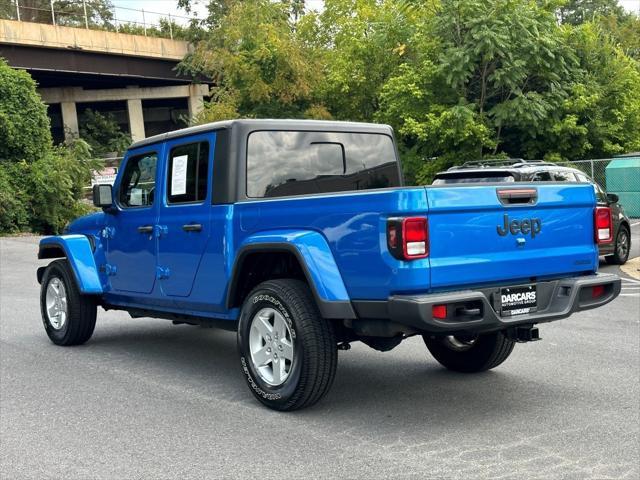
pixel 564 177
pixel 583 178
pixel 138 181
pixel 285 163
pixel 600 193
pixel 542 177
pixel 188 173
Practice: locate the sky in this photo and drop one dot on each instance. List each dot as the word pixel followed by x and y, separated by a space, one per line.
pixel 161 8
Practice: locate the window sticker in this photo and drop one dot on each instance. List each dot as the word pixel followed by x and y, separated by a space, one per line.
pixel 179 175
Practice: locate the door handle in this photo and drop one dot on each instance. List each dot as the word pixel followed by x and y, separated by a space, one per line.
pixel 145 229
pixel 192 227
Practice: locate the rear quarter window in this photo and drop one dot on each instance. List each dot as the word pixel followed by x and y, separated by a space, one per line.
pixel 285 163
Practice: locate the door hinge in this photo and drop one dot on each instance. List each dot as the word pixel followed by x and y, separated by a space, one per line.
pixel 108 232
pixel 160 230
pixel 162 273
pixel 110 270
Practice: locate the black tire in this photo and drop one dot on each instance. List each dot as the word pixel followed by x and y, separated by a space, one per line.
pixel 313 367
pixel 80 319
pixel 620 255
pixel 470 354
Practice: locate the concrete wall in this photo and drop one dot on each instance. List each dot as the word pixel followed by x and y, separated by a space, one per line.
pixel 53 36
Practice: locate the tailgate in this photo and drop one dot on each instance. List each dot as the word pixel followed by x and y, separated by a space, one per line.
pixel 476 237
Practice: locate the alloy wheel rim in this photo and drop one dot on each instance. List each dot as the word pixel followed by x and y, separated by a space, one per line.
pixel 622 247
pixel 271 346
pixel 56 303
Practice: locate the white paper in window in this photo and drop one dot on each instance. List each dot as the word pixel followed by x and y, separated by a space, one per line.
pixel 179 175
pixel 135 197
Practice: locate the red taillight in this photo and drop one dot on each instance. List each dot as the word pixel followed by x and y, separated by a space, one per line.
pixel 439 312
pixel 415 237
pixel 597 291
pixel 408 238
pixel 603 225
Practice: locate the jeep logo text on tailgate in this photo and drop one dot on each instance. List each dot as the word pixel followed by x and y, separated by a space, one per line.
pixel 526 226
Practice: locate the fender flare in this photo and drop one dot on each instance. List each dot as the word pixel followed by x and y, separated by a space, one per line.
pixel 78 251
pixel 316 259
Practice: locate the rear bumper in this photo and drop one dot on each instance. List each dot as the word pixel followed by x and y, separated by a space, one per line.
pixel 477 310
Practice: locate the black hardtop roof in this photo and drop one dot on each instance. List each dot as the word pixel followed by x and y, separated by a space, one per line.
pixel 268 124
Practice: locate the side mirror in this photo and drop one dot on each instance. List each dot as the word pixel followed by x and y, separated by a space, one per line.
pixel 613 198
pixel 103 196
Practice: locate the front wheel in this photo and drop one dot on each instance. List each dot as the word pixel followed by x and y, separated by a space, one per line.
pixel 288 352
pixel 470 353
pixel 69 317
pixel 622 248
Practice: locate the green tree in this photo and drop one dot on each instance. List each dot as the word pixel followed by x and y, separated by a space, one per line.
pixel 484 72
pixel 257 62
pixel 576 12
pixel 625 32
pixel 601 116
pixel 360 44
pixel 40 185
pixel 102 133
pixel 24 125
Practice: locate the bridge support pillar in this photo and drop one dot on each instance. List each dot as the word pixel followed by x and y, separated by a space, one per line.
pixel 196 100
pixel 136 119
pixel 70 120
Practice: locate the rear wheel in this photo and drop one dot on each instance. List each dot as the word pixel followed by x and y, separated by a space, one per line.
pixel 288 352
pixel 69 317
pixel 621 248
pixel 470 353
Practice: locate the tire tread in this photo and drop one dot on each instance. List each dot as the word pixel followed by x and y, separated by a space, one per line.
pixel 82 309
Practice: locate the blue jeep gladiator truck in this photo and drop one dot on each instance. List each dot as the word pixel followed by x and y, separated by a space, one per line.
pixel 301 236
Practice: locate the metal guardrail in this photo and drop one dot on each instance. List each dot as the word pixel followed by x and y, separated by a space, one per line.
pixel 53 16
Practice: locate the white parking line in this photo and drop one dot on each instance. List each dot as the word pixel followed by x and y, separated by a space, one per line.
pixel 637 282
pixel 635 224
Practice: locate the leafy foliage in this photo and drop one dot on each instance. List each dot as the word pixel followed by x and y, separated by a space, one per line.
pixel 40 185
pixel 577 12
pixel 457 79
pixel 256 61
pixel 24 125
pixel 102 133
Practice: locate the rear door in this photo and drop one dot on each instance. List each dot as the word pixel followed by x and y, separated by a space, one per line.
pixel 487 234
pixel 184 212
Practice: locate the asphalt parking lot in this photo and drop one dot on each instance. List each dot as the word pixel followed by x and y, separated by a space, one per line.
pixel 147 399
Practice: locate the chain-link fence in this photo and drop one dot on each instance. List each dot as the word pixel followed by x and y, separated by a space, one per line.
pixel 96 16
pixel 619 175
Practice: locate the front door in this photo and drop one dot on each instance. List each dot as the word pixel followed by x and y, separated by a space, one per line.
pixel 131 243
pixel 184 212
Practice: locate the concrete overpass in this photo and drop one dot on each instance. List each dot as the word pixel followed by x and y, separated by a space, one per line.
pixel 131 75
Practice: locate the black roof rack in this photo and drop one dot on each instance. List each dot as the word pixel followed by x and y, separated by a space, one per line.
pixel 500 162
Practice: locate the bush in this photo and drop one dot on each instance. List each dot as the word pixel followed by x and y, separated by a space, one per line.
pixel 13 212
pixel 44 195
pixel 41 186
pixel 56 184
